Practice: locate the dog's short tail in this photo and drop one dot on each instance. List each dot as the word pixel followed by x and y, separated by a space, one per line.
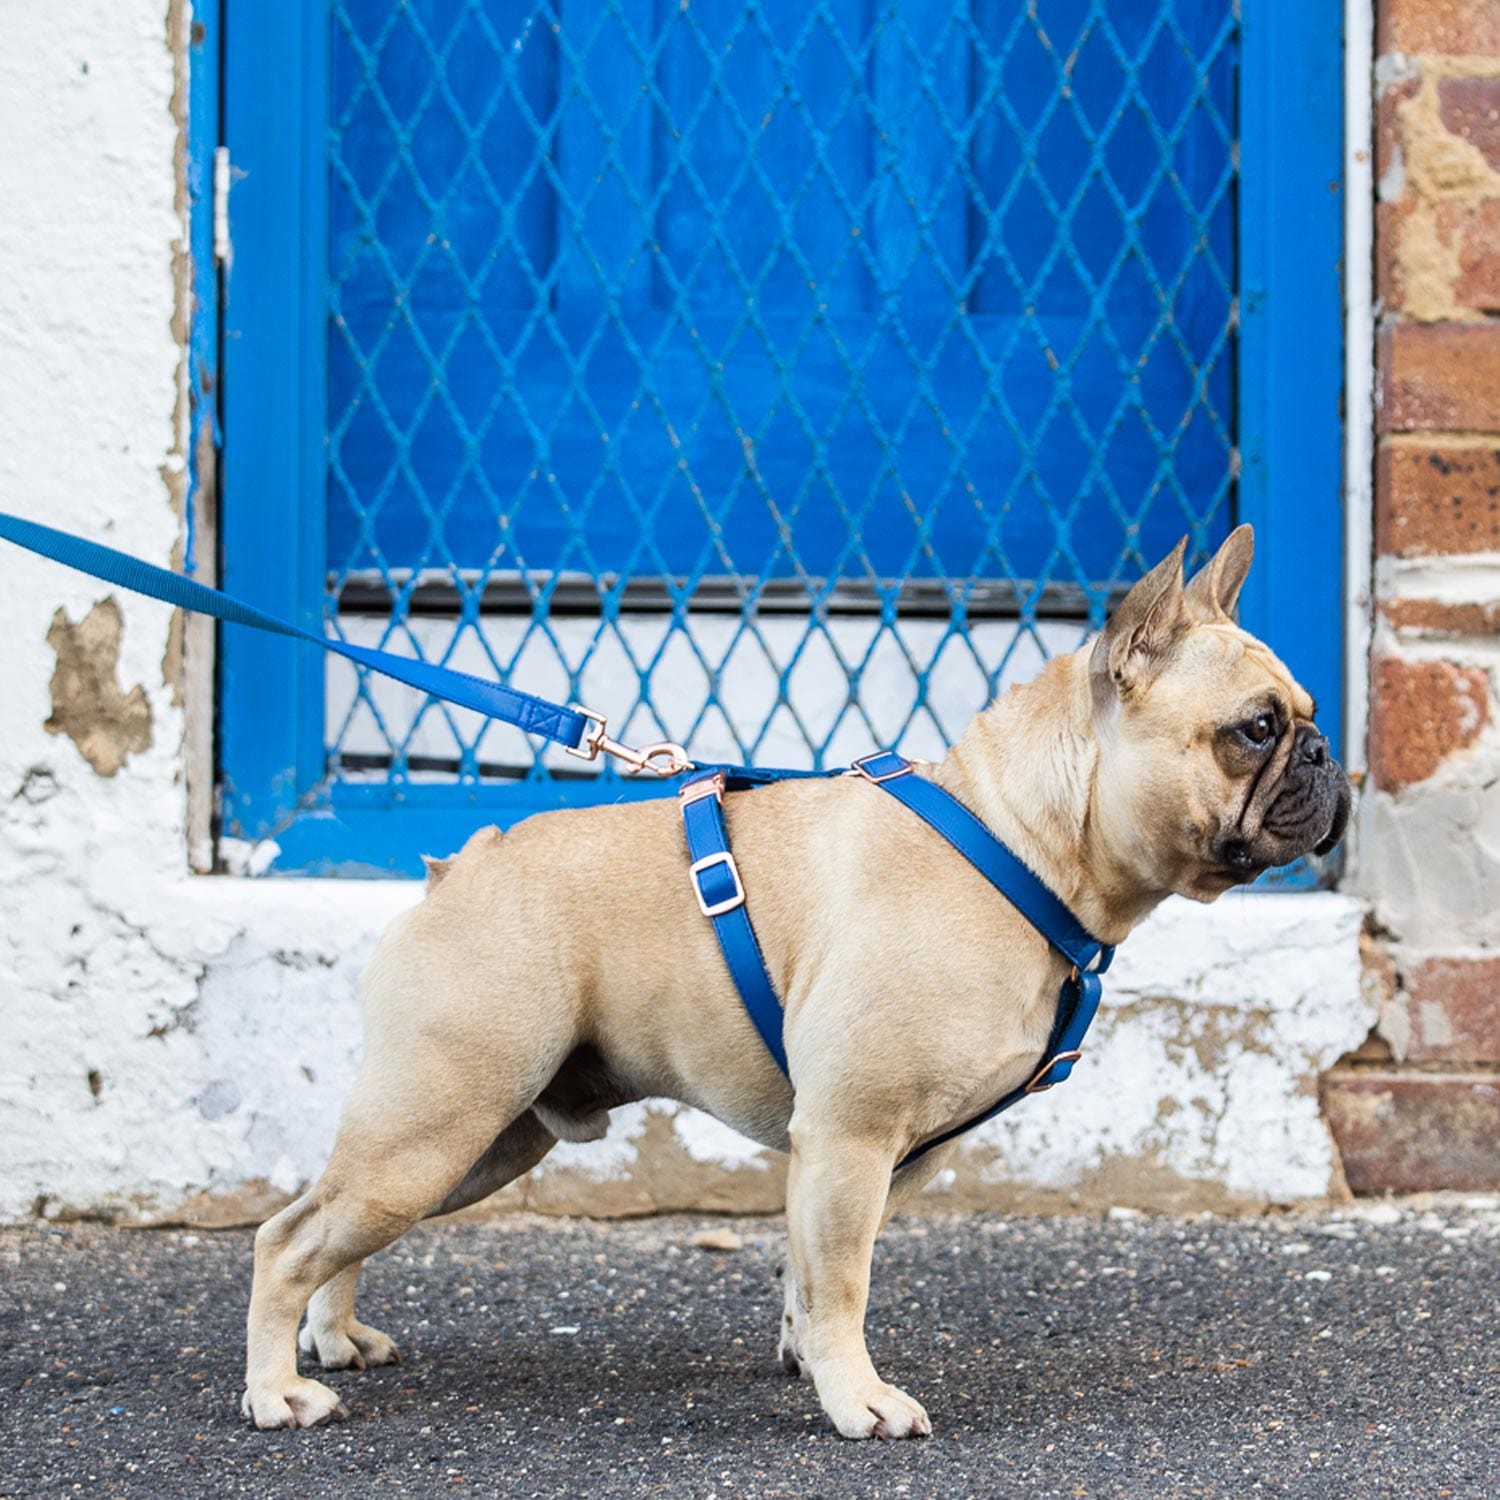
pixel 438 868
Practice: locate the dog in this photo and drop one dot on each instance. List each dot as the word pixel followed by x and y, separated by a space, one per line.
pixel 563 968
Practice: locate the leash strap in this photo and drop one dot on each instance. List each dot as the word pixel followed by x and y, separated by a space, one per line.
pixel 721 898
pixel 576 730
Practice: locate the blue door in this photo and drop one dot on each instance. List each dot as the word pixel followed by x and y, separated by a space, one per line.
pixel 783 379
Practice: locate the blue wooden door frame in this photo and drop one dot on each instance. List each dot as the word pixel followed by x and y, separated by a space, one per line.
pixel 1289 400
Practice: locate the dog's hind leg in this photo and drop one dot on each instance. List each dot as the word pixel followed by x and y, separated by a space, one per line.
pixel 513 1153
pixel 385 1173
pixel 333 1335
pixel 441 1075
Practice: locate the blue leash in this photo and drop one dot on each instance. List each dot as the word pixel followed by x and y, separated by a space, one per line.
pixel 572 728
pixel 714 874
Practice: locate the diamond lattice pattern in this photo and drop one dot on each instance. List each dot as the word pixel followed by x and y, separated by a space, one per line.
pixel 772 376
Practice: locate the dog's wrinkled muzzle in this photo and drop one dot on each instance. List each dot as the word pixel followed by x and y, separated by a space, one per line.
pixel 1311 809
pixel 1307 814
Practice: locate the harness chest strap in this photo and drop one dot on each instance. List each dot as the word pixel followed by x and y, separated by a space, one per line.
pixel 721 897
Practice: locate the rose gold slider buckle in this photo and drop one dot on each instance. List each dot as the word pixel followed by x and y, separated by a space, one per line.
pixel 709 786
pixel 1036 1086
pixel 861 767
pixel 730 902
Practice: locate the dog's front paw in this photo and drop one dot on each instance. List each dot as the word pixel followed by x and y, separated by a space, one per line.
pixel 878 1410
pixel 355 1347
pixel 302 1403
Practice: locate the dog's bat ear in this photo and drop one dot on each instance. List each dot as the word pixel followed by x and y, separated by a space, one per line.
pixel 1215 588
pixel 1145 631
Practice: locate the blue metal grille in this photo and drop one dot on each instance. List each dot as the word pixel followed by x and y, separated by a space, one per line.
pixel 781 378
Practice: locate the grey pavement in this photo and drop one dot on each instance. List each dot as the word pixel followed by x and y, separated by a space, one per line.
pixel 1340 1355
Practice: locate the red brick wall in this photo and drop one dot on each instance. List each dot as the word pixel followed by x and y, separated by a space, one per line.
pixel 1419 1106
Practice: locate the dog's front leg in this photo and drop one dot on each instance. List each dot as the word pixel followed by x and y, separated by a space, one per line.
pixel 905 1185
pixel 836 1197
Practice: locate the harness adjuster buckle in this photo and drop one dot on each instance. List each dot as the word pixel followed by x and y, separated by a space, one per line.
pixel 696 872
pixel 707 786
pixel 861 767
pixel 1036 1086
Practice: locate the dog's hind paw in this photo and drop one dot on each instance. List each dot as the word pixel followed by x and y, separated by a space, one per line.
pixel 304 1403
pixel 355 1347
pixel 789 1353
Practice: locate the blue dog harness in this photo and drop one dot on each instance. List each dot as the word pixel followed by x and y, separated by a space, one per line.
pixel 721 898
pixel 715 875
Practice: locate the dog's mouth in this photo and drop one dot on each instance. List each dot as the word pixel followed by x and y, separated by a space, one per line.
pixel 1237 861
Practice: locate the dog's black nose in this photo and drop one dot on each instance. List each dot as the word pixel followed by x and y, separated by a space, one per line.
pixel 1312 748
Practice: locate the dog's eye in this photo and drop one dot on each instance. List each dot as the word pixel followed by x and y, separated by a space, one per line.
pixel 1260 729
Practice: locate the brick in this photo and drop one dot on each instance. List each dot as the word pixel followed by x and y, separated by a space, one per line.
pixel 1449 249
pixel 1437 617
pixel 1439 376
pixel 1452 26
pixel 1470 109
pixel 1390 218
pixel 1374 1049
pixel 1421 713
pixel 1476 228
pixel 1415 1132
pixel 1436 499
pixel 1454 1005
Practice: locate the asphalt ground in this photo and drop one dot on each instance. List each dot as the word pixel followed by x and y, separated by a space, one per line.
pixel 1345 1354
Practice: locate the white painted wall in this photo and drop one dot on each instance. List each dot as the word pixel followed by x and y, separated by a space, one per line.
pixel 217 1016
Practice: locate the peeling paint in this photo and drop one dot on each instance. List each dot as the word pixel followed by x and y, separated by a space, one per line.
pixel 1438 162
pixel 106 724
pixel 39 786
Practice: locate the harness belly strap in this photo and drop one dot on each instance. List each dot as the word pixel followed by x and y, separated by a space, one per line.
pixel 721 897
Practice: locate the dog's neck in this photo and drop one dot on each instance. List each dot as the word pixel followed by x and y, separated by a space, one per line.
pixel 1028 767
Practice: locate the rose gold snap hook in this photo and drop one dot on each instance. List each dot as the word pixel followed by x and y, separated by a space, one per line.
pixel 674 756
pixel 597 742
